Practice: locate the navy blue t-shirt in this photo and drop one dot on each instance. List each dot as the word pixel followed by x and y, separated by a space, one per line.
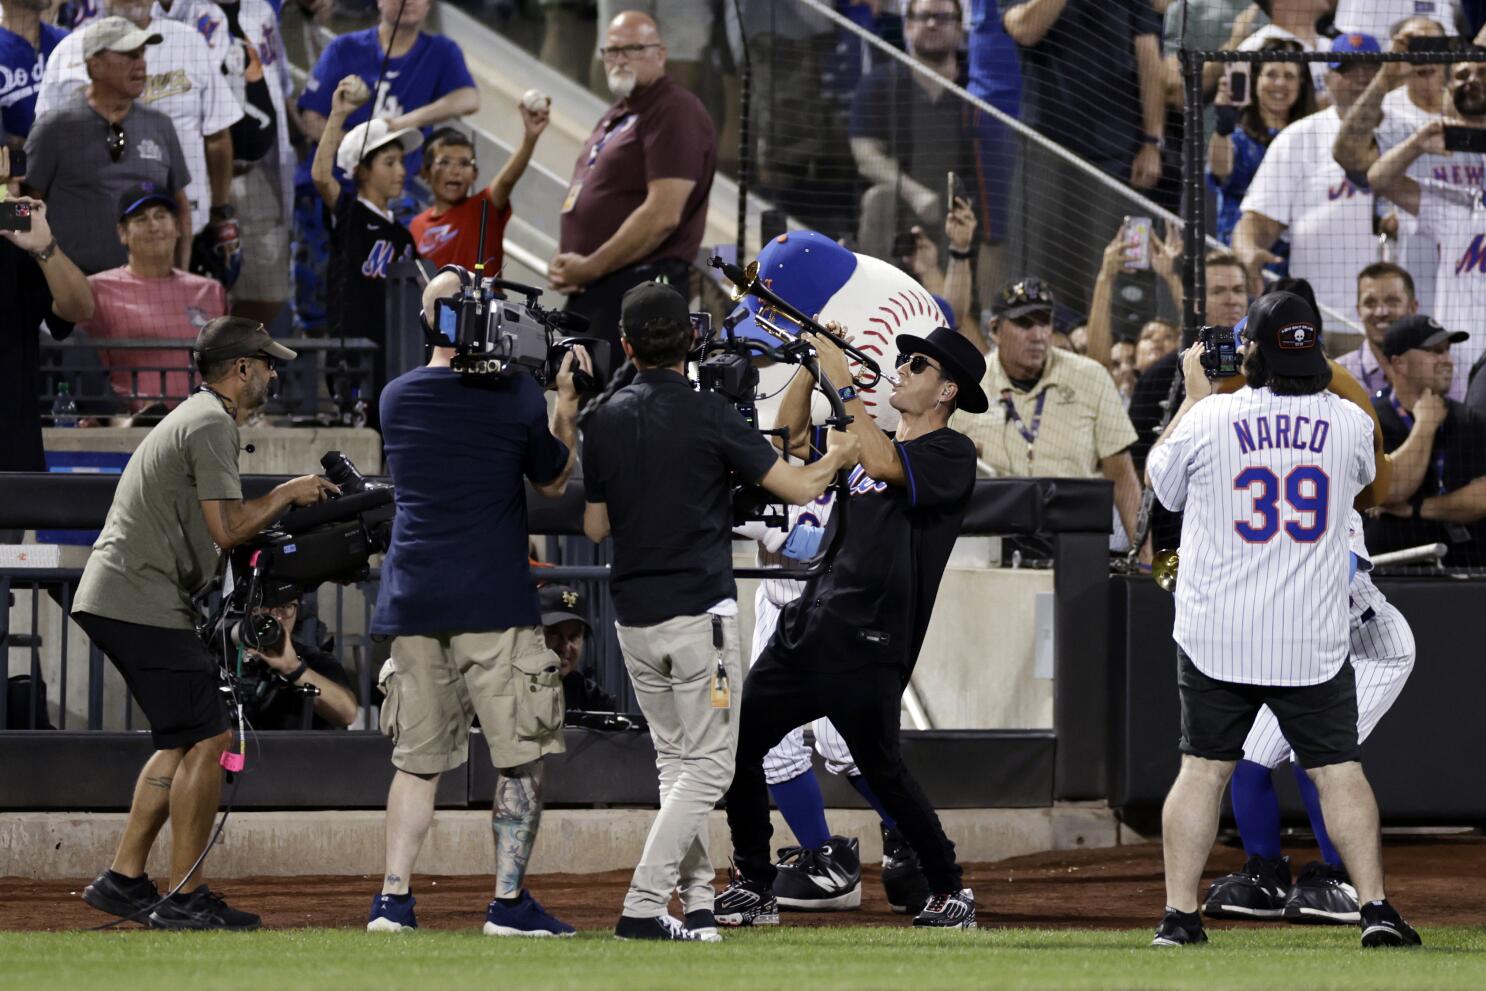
pixel 457 449
pixel 21 68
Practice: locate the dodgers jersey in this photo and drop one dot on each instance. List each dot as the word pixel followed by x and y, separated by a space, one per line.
pixel 1266 483
pixel 1456 218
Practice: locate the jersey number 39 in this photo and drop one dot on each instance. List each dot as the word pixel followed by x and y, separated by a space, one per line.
pixel 1305 490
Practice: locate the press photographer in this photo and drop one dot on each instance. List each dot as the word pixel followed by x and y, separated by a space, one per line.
pixel 285 671
pixel 457 592
pixel 178 501
pixel 659 462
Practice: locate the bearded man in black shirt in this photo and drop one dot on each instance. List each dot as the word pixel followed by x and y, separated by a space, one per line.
pixel 846 647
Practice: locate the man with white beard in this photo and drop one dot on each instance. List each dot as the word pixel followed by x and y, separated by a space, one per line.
pixel 636 206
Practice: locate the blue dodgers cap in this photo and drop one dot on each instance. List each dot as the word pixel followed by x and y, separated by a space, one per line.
pixel 1355 41
pixel 804 267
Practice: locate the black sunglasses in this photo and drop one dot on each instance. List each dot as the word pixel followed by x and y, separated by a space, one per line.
pixel 267 359
pixel 116 141
pixel 916 363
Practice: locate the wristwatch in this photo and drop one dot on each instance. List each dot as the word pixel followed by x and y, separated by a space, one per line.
pixel 46 253
pixel 847 393
pixel 293 676
pixel 964 256
pixel 1147 138
pixel 221 212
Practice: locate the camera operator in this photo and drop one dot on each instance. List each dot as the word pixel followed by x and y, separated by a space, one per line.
pixel 294 666
pixel 178 501
pixel 457 595
pixel 658 464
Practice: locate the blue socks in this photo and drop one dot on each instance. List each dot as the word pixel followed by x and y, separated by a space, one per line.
pixel 859 782
pixel 1256 809
pixel 802 806
pixel 1312 799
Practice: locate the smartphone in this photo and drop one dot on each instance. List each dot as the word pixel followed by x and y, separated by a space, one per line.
pixel 1137 236
pixel 904 245
pixel 1240 93
pixel 1459 138
pixel 954 189
pixel 17 162
pixel 15 215
pixel 1443 43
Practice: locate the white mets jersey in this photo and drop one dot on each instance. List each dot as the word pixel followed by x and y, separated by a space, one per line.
pixel 1266 484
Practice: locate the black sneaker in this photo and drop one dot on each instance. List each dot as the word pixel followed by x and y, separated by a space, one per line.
pixel 948 910
pixel 201 909
pixel 827 878
pixel 1258 891
pixel 126 897
pixel 1180 929
pixel 1323 894
pixel 661 927
pixel 1382 926
pixel 903 879
pixel 743 903
pixel 702 922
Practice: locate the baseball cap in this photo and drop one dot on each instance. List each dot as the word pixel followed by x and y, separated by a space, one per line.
pixel 653 301
pixel 1284 326
pixel 365 138
pixel 1028 295
pixel 1355 41
pixel 563 602
pixel 116 34
pixel 142 194
pixel 235 337
pixel 805 267
pixel 1417 331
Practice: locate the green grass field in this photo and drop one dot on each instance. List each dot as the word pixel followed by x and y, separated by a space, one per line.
pixel 813 959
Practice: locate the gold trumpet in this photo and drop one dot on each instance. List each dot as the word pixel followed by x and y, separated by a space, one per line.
pixel 747 283
pixel 1163 569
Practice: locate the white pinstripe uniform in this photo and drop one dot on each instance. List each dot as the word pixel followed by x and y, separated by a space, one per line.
pixel 1382 654
pixel 790 758
pixel 1266 482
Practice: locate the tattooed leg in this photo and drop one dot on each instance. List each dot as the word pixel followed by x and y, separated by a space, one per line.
pixel 148 812
pixel 409 814
pixel 514 820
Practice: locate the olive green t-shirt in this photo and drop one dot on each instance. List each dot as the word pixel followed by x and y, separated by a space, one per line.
pixel 155 551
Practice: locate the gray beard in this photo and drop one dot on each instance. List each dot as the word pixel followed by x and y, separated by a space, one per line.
pixel 621 86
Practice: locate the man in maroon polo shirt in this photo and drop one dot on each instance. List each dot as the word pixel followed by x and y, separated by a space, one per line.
pixel 636 206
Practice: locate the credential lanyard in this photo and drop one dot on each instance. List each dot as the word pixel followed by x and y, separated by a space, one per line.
pixel 1028 432
pixel 1408 421
pixel 598 146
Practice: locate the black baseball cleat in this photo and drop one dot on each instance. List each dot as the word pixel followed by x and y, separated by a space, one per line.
pixel 827 878
pixel 948 910
pixel 903 879
pixel 1258 891
pixel 744 903
pixel 126 897
pixel 1180 929
pixel 661 927
pixel 1382 926
pixel 201 909
pixel 1323 895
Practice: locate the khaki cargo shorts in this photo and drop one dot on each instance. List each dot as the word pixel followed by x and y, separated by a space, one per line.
pixel 436 686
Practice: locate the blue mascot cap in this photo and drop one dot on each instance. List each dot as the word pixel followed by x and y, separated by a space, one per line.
pixel 804 267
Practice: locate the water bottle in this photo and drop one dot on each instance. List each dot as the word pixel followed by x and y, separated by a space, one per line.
pixel 64 410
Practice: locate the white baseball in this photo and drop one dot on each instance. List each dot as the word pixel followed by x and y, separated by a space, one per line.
pixel 358 92
pixel 536 101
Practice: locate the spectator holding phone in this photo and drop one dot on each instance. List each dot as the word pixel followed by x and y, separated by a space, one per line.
pixel 918 254
pixel 1276 95
pixel 1454 217
pixel 55 299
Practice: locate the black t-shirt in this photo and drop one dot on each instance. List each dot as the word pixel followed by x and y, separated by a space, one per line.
pixel 28 303
pixel 278 705
pixel 663 457
pixel 927 138
pixel 1081 88
pixel 582 693
pixel 1151 390
pixel 363 244
pixel 872 606
pixel 254 134
pixel 1457 456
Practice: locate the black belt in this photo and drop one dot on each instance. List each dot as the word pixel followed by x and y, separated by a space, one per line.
pixel 1368 615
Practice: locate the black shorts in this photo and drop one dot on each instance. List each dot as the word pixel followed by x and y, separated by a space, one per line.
pixel 1319 721
pixel 171 675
